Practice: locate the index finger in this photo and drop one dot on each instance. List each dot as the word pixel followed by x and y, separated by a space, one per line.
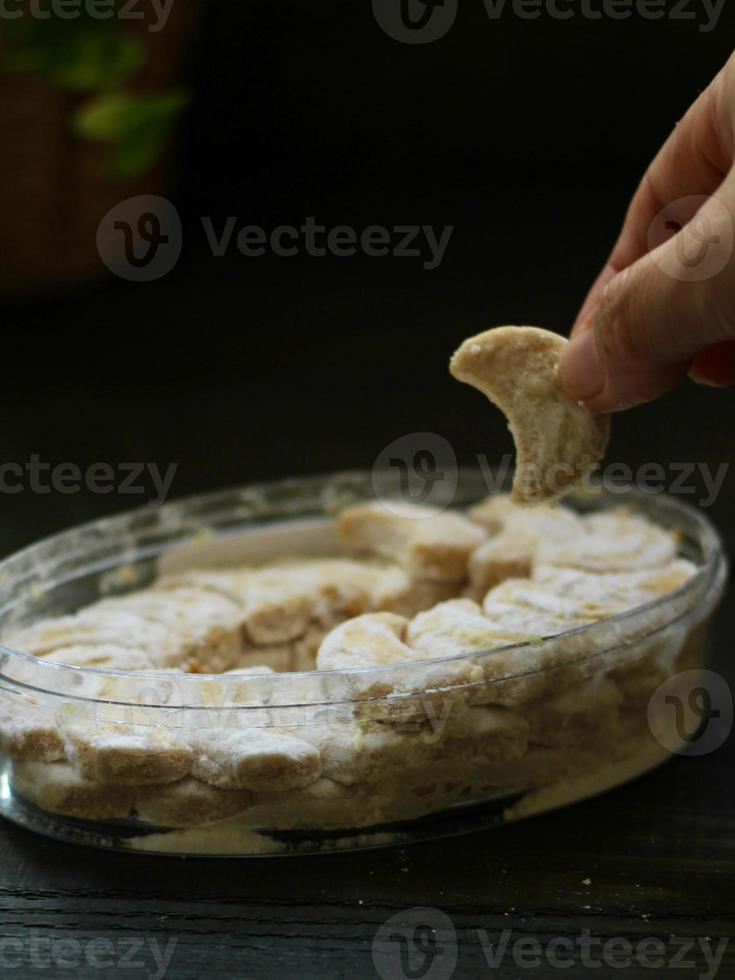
pixel 694 161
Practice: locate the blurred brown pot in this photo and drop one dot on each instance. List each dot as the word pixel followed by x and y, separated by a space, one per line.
pixel 54 187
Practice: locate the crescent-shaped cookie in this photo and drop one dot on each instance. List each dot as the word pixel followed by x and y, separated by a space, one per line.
pixel 558 442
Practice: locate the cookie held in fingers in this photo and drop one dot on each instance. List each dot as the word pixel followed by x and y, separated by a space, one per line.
pixel 558 442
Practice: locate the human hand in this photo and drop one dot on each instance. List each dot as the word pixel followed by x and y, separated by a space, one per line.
pixel 664 305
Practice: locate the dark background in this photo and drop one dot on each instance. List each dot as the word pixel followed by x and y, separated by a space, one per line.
pixel 528 136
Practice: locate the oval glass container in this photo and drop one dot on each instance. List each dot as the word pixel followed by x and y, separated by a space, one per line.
pixel 417 750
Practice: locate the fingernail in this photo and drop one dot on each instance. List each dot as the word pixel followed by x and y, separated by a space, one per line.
pixel 715 366
pixel 580 371
pixel 702 379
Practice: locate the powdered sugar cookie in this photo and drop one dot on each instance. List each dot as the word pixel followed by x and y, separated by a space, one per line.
pixel 420 596
pixel 372 640
pixel 452 629
pixel 640 670
pixel 278 657
pixel 92 628
pixel 437 785
pixel 132 755
pixel 535 610
pixel 231 584
pixel 29 732
pixel 509 555
pixel 614 541
pixel 578 716
pixel 324 804
pixel 495 511
pixel 511 665
pixel 517 533
pixel 281 603
pixel 543 766
pixel 105 656
pixel 602 594
pixel 365 753
pixel 189 803
pixel 304 650
pixel 60 788
pixel 202 629
pixel 558 442
pixel 431 545
pixel 457 627
pixel 255 758
pixel 294 601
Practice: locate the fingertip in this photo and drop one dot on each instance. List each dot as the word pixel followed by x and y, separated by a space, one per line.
pixel 715 366
pixel 583 378
pixel 635 385
pixel 580 371
pixel 582 325
pixel 592 301
pixel 605 403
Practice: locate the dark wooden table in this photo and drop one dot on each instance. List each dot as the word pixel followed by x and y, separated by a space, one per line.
pixel 653 860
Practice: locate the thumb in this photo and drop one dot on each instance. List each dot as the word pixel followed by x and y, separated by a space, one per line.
pixel 657 315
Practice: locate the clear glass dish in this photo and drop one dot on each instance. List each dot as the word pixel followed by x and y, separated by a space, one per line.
pixel 420 749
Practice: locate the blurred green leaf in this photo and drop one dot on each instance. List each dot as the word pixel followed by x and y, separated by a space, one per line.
pixel 138 126
pixel 96 56
pixel 79 55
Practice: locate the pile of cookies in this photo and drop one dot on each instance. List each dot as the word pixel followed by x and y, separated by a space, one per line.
pixel 435 628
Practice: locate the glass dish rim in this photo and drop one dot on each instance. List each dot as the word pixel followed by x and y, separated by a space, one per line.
pixel 708 575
